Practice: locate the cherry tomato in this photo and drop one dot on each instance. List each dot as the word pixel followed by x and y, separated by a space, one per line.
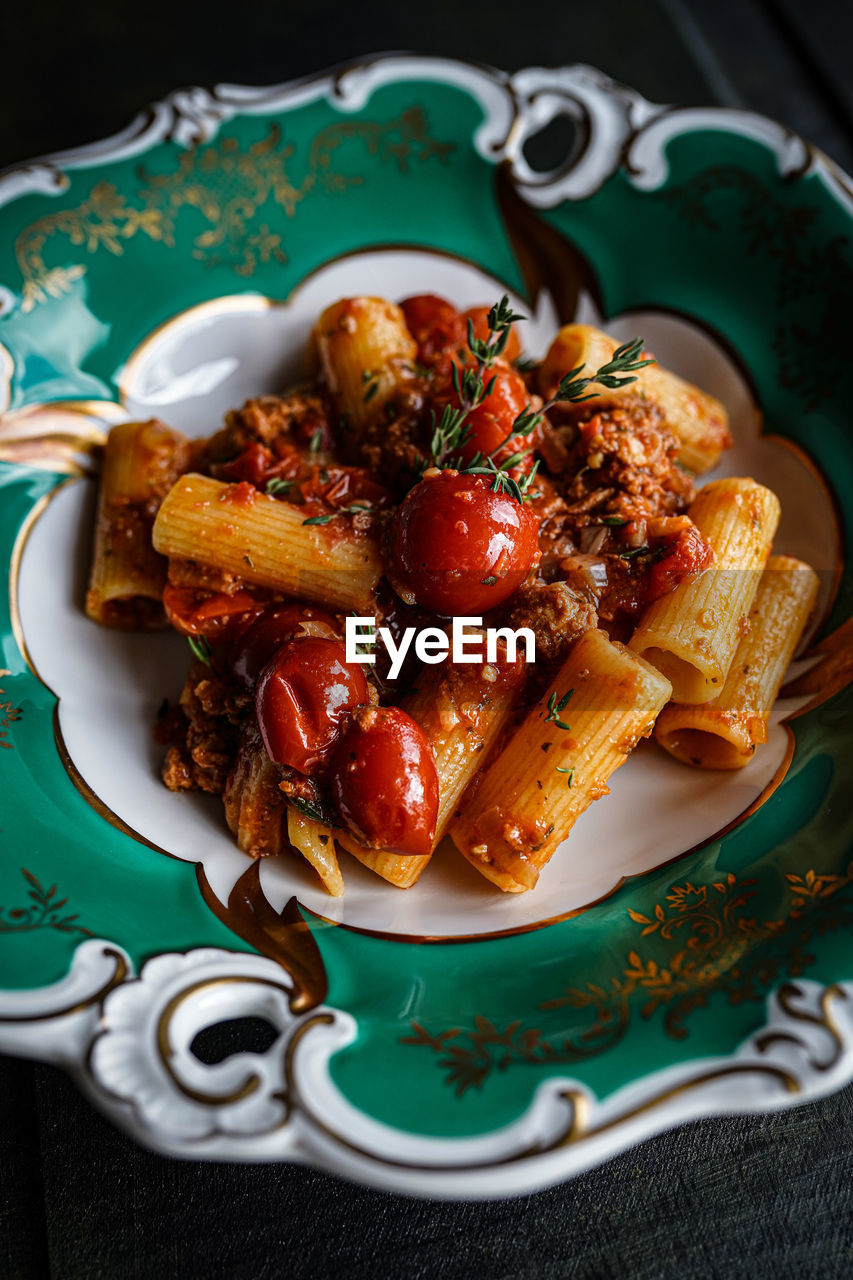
pixel 301 698
pixel 457 547
pixel 258 465
pixel 194 612
pixel 490 422
pixel 434 324
pixel 261 641
pixel 330 488
pixel 479 317
pixel 384 781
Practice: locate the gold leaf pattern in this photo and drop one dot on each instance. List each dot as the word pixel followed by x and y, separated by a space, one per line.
pixel 9 715
pixel 41 913
pixel 224 185
pixel 709 944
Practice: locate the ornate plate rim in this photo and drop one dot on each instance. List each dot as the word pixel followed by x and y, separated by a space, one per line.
pixel 806 1044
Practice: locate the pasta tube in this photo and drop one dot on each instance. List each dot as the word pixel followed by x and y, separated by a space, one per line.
pixel 724 733
pixel 691 634
pixel 697 420
pixel 266 542
pixel 365 350
pixel 314 841
pixel 603 700
pixel 462 710
pixel 141 462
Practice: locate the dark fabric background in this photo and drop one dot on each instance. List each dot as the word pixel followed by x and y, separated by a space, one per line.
pixel 757 1197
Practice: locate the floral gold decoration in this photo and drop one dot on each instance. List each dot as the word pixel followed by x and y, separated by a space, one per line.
pixel 9 715
pixel 820 278
pixel 42 913
pixel 712 946
pixel 230 187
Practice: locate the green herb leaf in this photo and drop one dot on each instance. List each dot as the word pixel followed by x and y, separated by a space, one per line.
pixel 342 511
pixel 308 809
pixel 554 709
pixel 200 649
pixel 276 486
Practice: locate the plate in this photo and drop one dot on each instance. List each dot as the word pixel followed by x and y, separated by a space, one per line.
pixel 447 1041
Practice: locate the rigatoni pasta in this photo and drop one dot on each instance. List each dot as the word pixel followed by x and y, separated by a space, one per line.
pixel 691 634
pixel 724 733
pixel 366 351
pixel 268 542
pixel 141 462
pixel 403 488
pixel 698 420
pixel 585 725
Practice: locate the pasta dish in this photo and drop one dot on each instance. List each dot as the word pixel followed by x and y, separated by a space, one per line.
pixel 444 590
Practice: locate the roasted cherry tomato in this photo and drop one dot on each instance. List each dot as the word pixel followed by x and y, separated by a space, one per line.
pixel 261 641
pixel 301 698
pixel 435 325
pixel 479 317
pixel 195 612
pixel 258 465
pixel 457 547
pixel 331 488
pixel 384 781
pixel 489 424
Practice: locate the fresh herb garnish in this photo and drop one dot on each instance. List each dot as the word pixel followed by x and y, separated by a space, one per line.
pixel 613 521
pixel 276 486
pixel 470 384
pixel 489 582
pixel 307 808
pixel 352 510
pixel 200 649
pixel 316 442
pixel 570 772
pixel 452 431
pixel 370 392
pixel 555 707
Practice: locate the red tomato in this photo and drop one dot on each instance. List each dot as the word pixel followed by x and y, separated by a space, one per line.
pixel 259 644
pixel 301 698
pixel 685 553
pixel 330 488
pixel 479 317
pixel 434 324
pixel 194 612
pixel 384 781
pixel 490 423
pixel 457 547
pixel 258 465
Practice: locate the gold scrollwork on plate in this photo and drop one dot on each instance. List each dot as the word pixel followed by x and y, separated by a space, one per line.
pixel 42 911
pixel 714 947
pixel 228 186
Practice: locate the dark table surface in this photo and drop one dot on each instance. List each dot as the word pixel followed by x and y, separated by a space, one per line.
pixel 756 1196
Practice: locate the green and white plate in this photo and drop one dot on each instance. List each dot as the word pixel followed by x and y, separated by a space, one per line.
pixel 689 951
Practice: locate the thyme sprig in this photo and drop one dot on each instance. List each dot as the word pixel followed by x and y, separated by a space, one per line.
pixel 351 510
pixel 472 386
pixel 200 649
pixel 306 808
pixel 555 707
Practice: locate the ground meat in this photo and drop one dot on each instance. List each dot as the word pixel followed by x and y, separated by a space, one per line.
pixel 213 712
pixel 395 446
pixel 622 464
pixel 557 614
pixel 295 418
